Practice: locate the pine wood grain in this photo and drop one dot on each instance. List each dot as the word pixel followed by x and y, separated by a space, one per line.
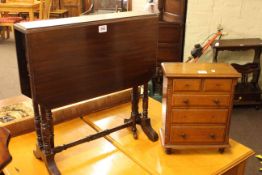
pixel 5 156
pixel 102 158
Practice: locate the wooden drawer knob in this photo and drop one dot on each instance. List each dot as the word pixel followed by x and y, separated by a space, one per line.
pixel 212 136
pixel 186 101
pixel 216 101
pixel 183 135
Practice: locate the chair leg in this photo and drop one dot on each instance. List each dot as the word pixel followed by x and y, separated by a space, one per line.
pixel 7 32
pixel 2 32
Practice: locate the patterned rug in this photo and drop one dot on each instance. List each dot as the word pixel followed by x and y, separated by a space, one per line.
pixel 16 111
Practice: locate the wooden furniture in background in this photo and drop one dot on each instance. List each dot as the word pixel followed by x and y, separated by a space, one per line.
pixel 16 6
pixel 197 102
pixel 74 7
pixel 56 10
pixel 129 5
pixel 247 91
pixel 133 157
pixel 172 20
pixel 5 156
pixel 77 7
pixel 110 6
pixel 59 13
pixel 88 10
pixel 171 30
pixel 105 5
pixel 51 9
pixel 21 7
pixel 6 25
pixel 45 9
pixel 124 63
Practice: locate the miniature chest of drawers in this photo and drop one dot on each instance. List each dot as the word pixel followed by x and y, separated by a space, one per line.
pixel 196 105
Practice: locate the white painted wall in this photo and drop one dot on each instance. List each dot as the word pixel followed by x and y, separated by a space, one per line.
pixel 138 5
pixel 239 18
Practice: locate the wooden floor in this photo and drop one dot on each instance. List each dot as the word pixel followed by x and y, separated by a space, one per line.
pixel 120 154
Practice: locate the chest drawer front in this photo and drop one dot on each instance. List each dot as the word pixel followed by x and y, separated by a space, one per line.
pixel 200 100
pixel 198 116
pixel 214 85
pixel 199 135
pixel 186 85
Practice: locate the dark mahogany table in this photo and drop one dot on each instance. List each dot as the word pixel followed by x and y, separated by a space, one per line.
pixel 247 91
pixel 65 61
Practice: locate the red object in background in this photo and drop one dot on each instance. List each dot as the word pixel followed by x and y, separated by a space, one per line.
pixel 199 50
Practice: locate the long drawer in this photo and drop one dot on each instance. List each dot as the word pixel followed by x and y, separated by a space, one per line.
pixel 198 116
pixel 186 100
pixel 197 134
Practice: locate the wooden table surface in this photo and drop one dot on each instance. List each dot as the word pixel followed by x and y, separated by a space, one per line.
pixel 237 43
pixel 5 157
pixel 136 156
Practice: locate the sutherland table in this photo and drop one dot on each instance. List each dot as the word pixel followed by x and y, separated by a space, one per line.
pixel 247 92
pixel 96 55
pixel 20 7
pixel 139 157
pixel 197 103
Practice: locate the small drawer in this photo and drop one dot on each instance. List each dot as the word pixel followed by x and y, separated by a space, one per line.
pixel 186 84
pixel 184 100
pixel 197 134
pixel 198 116
pixel 214 85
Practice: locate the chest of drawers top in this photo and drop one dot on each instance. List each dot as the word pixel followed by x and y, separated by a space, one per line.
pixel 203 70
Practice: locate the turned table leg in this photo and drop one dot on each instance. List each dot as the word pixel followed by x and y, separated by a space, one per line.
pixel 37 120
pixel 145 120
pixel 51 126
pixel 48 141
pixel 134 112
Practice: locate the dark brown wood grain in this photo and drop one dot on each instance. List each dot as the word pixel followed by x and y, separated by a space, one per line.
pixel 66 66
pixel 172 20
pixel 5 156
pixel 246 43
pixel 171 30
pixel 22 63
pixel 174 10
